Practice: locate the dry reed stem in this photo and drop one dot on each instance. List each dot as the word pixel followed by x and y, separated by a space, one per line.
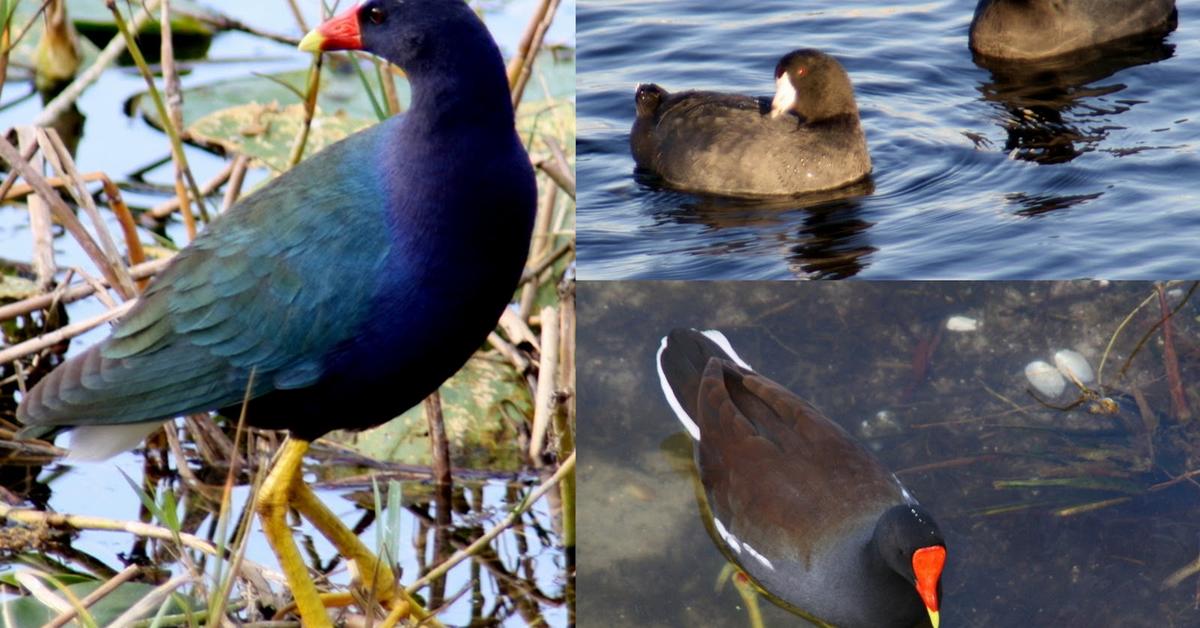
pixel 40 222
pixel 310 109
pixel 73 293
pixel 545 403
pixel 237 177
pixel 116 203
pixel 6 48
pixel 136 528
pixel 517 329
pixel 538 245
pixel 72 92
pixel 171 205
pixel 558 167
pixel 60 159
pixel 119 280
pixel 521 67
pixel 34 345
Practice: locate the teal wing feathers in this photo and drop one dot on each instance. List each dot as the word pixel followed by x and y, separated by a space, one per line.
pixel 254 293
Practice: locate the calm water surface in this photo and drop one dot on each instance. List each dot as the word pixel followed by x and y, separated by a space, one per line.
pixel 956 420
pixel 978 173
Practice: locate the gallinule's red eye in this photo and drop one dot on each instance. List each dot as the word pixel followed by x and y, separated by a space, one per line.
pixel 803 508
pixel 324 297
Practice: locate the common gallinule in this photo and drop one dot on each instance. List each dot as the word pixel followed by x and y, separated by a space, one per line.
pixel 803 508
pixel 806 139
pixel 341 293
pixel 1032 29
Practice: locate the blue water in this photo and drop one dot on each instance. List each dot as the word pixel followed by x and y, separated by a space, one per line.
pixel 1098 180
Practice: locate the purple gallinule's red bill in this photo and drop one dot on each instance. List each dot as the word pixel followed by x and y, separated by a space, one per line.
pixel 341 293
pixel 802 508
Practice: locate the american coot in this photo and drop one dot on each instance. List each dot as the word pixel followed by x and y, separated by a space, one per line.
pixel 333 296
pixel 1031 29
pixel 806 139
pixel 801 506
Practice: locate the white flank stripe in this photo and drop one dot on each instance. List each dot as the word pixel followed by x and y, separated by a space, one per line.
pixel 723 342
pixel 759 557
pixel 730 539
pixel 669 393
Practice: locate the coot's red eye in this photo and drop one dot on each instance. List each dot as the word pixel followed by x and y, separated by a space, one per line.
pixel 801 72
pixel 376 15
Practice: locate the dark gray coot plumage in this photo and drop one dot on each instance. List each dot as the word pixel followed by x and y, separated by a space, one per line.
pixel 1033 29
pixel 807 139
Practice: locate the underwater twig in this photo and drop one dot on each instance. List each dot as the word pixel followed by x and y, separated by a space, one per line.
pixel 1150 332
pixel 1179 405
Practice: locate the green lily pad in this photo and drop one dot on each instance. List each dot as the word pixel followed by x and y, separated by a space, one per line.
pixel 14 288
pixel 190 37
pixel 267 132
pixel 217 116
pixel 480 406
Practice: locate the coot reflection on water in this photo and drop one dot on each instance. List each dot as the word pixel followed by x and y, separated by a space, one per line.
pixel 1052 110
pixel 820 235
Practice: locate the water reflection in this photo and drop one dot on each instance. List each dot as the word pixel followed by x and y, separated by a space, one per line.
pixel 821 235
pixel 1052 112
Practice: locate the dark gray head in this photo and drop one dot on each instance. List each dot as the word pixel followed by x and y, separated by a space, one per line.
pixel 912 545
pixel 813 86
pixel 647 98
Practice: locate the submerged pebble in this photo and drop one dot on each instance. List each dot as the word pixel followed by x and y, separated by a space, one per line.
pixel 961 323
pixel 1045 378
pixel 1074 365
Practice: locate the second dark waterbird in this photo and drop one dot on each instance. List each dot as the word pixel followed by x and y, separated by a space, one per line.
pixel 805 139
pixel 803 508
pixel 341 293
pixel 1039 29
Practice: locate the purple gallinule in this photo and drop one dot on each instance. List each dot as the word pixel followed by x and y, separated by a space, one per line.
pixel 341 293
pixel 803 508
pixel 806 139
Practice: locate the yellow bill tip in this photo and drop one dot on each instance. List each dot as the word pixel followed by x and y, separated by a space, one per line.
pixel 312 42
pixel 934 618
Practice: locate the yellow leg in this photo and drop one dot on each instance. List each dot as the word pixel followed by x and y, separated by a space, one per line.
pixel 749 594
pixel 272 507
pixel 376 576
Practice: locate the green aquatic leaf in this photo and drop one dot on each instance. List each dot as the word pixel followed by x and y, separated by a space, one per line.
pixel 28 611
pixel 481 405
